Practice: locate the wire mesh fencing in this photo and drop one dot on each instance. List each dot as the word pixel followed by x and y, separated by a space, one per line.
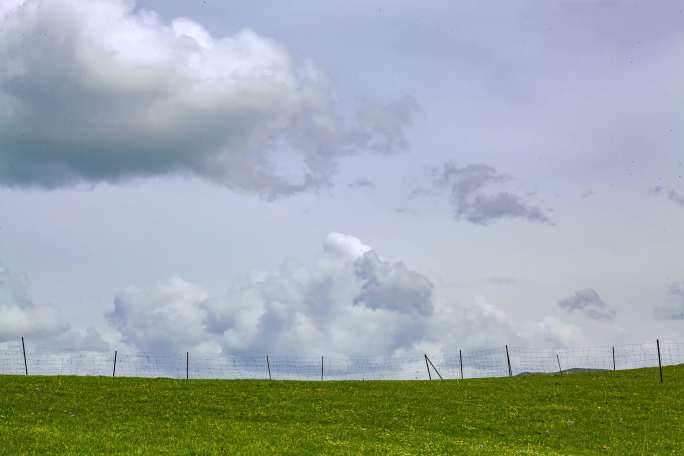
pixel 19 358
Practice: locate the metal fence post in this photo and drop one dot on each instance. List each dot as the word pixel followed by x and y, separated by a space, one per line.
pixel 114 370
pixel 187 365
pixel 23 349
pixel 560 371
pixel 613 357
pixel 460 359
pixel 321 368
pixel 660 365
pixel 508 359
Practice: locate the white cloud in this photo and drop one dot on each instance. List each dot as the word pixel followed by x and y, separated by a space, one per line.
pixel 94 91
pixel 348 301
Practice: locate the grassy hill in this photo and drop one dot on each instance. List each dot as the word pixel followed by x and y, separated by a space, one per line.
pixel 627 412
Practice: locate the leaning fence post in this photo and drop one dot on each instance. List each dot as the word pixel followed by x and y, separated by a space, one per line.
pixel 660 365
pixel 187 365
pixel 560 371
pixel 427 366
pixel 269 368
pixel 460 359
pixel 321 368
pixel 433 366
pixel 114 370
pixel 508 359
pixel 613 357
pixel 23 349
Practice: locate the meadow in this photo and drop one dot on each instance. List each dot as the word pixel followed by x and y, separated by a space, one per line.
pixel 623 412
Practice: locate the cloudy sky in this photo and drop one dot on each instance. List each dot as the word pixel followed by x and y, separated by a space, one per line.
pixel 340 177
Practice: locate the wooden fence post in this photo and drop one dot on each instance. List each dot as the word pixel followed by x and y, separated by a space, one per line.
pixel 660 365
pixel 508 359
pixel 269 368
pixel 23 349
pixel 187 365
pixel 114 370
pixel 427 366
pixel 433 366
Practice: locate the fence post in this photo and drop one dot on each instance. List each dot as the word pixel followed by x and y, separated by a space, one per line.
pixel 321 368
pixel 114 371
pixel 508 359
pixel 660 365
pixel 269 368
pixel 23 349
pixel 187 365
pixel 427 367
pixel 613 357
pixel 560 371
pixel 433 366
pixel 460 359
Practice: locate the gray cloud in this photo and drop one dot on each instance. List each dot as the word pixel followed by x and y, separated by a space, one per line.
pixel 473 201
pixel 672 194
pixel 589 303
pixel 362 183
pixel 673 307
pixel 99 92
pixel 392 286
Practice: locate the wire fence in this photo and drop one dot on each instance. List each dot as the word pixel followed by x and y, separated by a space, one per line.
pixel 20 358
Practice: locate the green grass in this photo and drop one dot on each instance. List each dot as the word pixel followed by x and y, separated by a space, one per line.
pixel 621 413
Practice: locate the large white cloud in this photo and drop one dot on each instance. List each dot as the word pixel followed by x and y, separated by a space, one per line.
pixel 348 301
pixel 96 90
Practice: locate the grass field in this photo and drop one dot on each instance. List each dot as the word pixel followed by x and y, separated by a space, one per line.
pixel 625 412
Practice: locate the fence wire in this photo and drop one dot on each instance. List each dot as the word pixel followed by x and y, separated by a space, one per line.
pixel 495 362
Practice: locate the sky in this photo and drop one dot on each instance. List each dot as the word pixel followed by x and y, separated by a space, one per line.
pixel 348 177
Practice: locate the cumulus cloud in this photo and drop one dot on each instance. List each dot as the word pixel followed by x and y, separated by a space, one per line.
pixel 19 316
pixel 589 303
pixel 348 301
pixel 673 307
pixel 473 199
pixel 100 91
pixel 672 194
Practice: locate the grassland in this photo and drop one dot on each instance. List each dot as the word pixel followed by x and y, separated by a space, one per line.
pixel 594 413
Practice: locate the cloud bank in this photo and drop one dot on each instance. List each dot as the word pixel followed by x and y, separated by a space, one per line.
pixel 347 301
pixel 589 303
pixel 98 91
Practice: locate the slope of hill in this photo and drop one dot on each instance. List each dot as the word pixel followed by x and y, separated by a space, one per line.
pixel 624 412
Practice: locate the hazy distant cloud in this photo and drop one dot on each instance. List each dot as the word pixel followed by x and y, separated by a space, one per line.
pixel 19 316
pixel 673 307
pixel 672 194
pixel 473 200
pixel 362 183
pixel 589 303
pixel 100 92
